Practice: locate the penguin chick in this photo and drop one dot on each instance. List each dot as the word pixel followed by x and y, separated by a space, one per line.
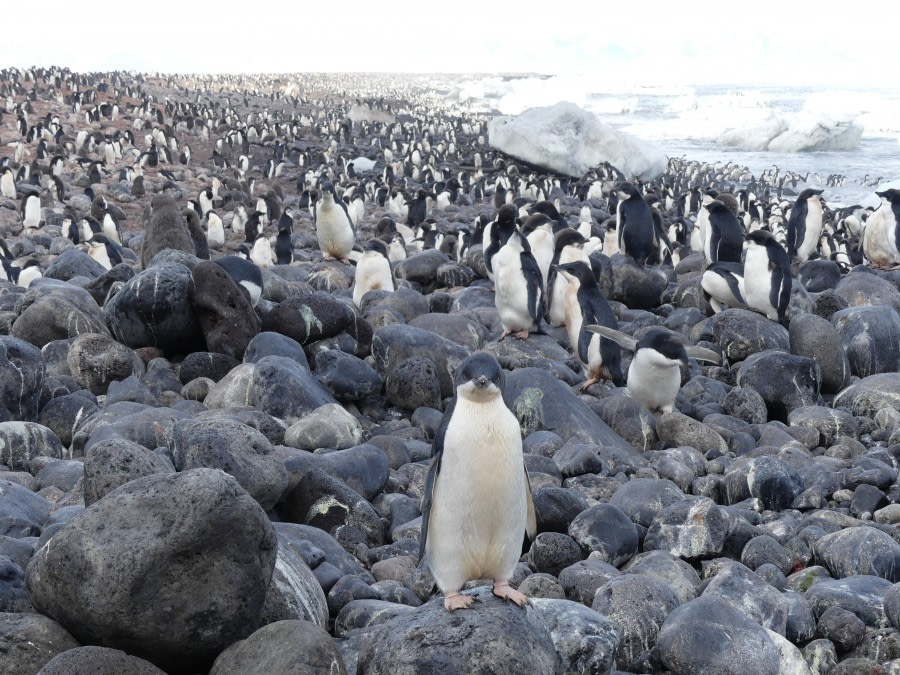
pixel 334 231
pixel 585 305
pixel 373 271
pixel 654 376
pixel 477 503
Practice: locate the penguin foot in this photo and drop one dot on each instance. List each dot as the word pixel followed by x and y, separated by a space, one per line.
pixel 454 601
pixel 503 590
pixel 588 383
pixel 522 334
pixel 503 335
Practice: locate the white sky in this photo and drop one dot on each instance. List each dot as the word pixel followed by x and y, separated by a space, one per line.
pixel 653 41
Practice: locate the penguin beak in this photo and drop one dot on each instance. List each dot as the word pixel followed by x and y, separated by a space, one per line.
pixel 481 382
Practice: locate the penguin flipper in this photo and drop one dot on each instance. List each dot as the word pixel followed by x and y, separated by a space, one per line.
pixel 434 468
pixel 530 513
pixel 535 284
pixel 703 354
pixel 714 244
pixel 619 338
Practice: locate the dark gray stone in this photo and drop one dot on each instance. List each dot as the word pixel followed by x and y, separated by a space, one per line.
pixel 364 468
pixel 154 309
pixel 556 507
pixel 294 592
pixel 584 640
pixel 871 394
pixel 236 449
pixel 774 482
pixel 396 343
pixel 816 338
pixel 205 364
pixel 20 442
pixel 282 648
pixel 284 389
pixel 74 263
pixel 750 595
pixel 498 637
pixel 63 414
pixel 223 310
pixel 28 641
pixel 115 462
pixel 863 289
pixel 831 424
pixel 676 430
pixel 552 552
pixel 22 374
pixel 784 381
pixel 347 377
pixel 862 595
pixel 642 499
pixel 328 426
pixel 422 268
pixel 623 280
pixel 542 402
pixel 672 571
pixel 159 600
pixel 57 314
pixel 414 383
pixel 871 339
pixel 318 316
pixel 606 529
pixel 630 420
pixel 859 551
pixel 689 529
pixel 459 328
pixel 98 661
pixel 95 360
pixel 843 628
pixel 708 635
pixel 741 333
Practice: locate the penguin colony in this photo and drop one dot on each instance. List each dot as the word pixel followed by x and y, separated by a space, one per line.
pixel 267 182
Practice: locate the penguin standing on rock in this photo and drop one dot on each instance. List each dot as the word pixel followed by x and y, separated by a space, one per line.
pixel 566 249
pixel 334 230
pixel 373 271
pixel 654 376
pixel 725 240
pixel 497 235
pixel 767 275
pixel 805 225
pixel 585 305
pixel 637 233
pixel 881 239
pixel 477 504
pixel 519 296
pixel 31 212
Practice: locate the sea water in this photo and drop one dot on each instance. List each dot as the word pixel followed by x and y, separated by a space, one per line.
pixel 693 121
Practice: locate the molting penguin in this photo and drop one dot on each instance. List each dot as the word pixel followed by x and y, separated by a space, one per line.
pixel 881 239
pixel 805 225
pixel 244 273
pixel 373 271
pixel 724 240
pixel 166 228
pixel 334 230
pixel 767 275
pixel 637 233
pixel 477 506
pixel 519 296
pixel 654 376
pixel 585 305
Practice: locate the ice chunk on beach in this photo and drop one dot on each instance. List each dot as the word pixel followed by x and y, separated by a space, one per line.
pixel 804 131
pixel 570 140
pixel 363 113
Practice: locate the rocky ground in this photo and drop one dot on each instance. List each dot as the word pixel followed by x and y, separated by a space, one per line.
pixel 191 484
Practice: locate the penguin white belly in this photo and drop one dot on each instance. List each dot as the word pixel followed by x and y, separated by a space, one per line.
pixel 810 236
pixel 28 275
pixel 720 294
pixel 541 243
pixel 878 242
pixel 758 282
pixel 8 185
pixel 653 381
pixel 511 297
pixel 479 507
pixel 560 286
pixel 373 272
pixel 215 235
pixel 333 232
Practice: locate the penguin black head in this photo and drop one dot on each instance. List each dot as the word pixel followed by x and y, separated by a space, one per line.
pixel 761 238
pixel 578 270
pixel 376 244
pixel 627 190
pixel 480 377
pixel 507 214
pixel 664 343
pixel 568 237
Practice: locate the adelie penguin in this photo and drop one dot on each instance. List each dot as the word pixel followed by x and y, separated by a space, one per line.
pixel 724 237
pixel 805 225
pixel 334 231
pixel 881 239
pixel 104 251
pixel 519 295
pixel 477 506
pixel 497 234
pixel 244 273
pixel 373 271
pixel 31 212
pixel 723 284
pixel 637 233
pixel 654 375
pixel 566 249
pixel 585 305
pixel 767 276
pixel 215 230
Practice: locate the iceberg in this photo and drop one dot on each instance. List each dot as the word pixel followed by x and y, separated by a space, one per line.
pixel 797 132
pixel 570 140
